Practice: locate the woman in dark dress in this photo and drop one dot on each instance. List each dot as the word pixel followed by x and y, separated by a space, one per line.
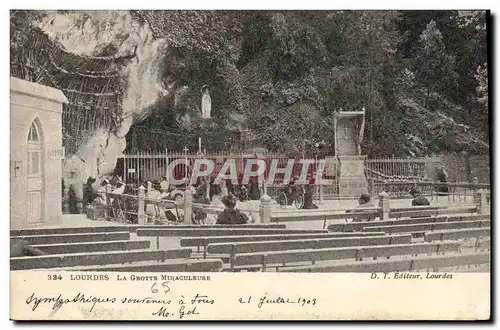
pixel 89 193
pixel 442 177
pixel 231 216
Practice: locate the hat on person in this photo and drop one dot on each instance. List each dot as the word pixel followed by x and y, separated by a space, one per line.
pixel 229 201
pixel 365 198
pixel 104 182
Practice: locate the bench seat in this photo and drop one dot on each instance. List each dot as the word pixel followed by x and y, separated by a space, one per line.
pixel 457 234
pixel 172 265
pixel 421 263
pixel 73 238
pixel 267 258
pixel 63 248
pixel 235 248
pixel 95 258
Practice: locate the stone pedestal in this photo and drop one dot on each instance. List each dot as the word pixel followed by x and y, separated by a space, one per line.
pixel 352 179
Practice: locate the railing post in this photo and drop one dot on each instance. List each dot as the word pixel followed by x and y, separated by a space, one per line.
pixel 384 205
pixel 265 209
pixel 188 206
pixel 108 202
pixel 207 189
pixel 141 217
pixel 150 186
pixel 480 201
pixel 321 194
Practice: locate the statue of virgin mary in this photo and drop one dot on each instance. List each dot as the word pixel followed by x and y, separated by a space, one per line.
pixel 206 102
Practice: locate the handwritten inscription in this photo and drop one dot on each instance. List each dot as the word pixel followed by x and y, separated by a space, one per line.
pixel 59 301
pixel 266 300
pixel 164 307
pixel 161 300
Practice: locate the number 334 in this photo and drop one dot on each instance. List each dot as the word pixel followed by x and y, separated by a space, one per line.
pixel 54 277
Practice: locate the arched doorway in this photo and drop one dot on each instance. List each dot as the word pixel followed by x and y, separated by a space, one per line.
pixel 35 174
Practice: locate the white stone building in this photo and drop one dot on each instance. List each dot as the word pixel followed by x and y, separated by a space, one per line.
pixel 36 153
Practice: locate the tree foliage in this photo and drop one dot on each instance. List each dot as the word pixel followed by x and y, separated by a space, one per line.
pixel 279 76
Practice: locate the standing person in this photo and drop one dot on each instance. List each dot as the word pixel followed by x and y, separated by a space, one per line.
pixel 199 197
pixel 153 209
pixel 89 193
pixel 230 215
pixel 164 185
pixel 102 191
pixel 418 198
pixel 364 202
pixel 215 189
pixel 442 177
pixel 309 193
pixel 254 190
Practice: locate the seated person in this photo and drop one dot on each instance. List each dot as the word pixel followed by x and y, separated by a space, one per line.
pixel 231 216
pixel 101 192
pixel 364 202
pixel 418 198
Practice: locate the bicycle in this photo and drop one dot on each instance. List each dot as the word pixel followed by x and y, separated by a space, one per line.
pixel 290 196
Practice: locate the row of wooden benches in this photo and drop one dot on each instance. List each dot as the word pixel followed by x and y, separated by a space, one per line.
pixel 240 247
pixel 358 226
pixel 398 213
pixel 264 251
pixel 240 254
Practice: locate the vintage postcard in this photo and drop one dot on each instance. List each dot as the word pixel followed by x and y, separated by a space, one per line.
pixel 250 165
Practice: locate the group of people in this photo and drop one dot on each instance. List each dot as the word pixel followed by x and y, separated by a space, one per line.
pixel 92 195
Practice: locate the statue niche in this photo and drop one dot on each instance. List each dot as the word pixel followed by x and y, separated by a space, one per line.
pixel 206 103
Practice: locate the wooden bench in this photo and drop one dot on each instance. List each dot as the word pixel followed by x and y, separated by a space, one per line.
pixel 317 215
pixel 74 238
pixel 415 212
pixel 267 258
pixel 96 258
pixel 68 230
pixel 424 227
pixel 205 241
pixel 199 227
pixel 320 243
pixel 457 234
pixel 92 247
pixel 389 266
pixel 174 265
pixel 124 228
pixel 358 226
pixel 174 232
